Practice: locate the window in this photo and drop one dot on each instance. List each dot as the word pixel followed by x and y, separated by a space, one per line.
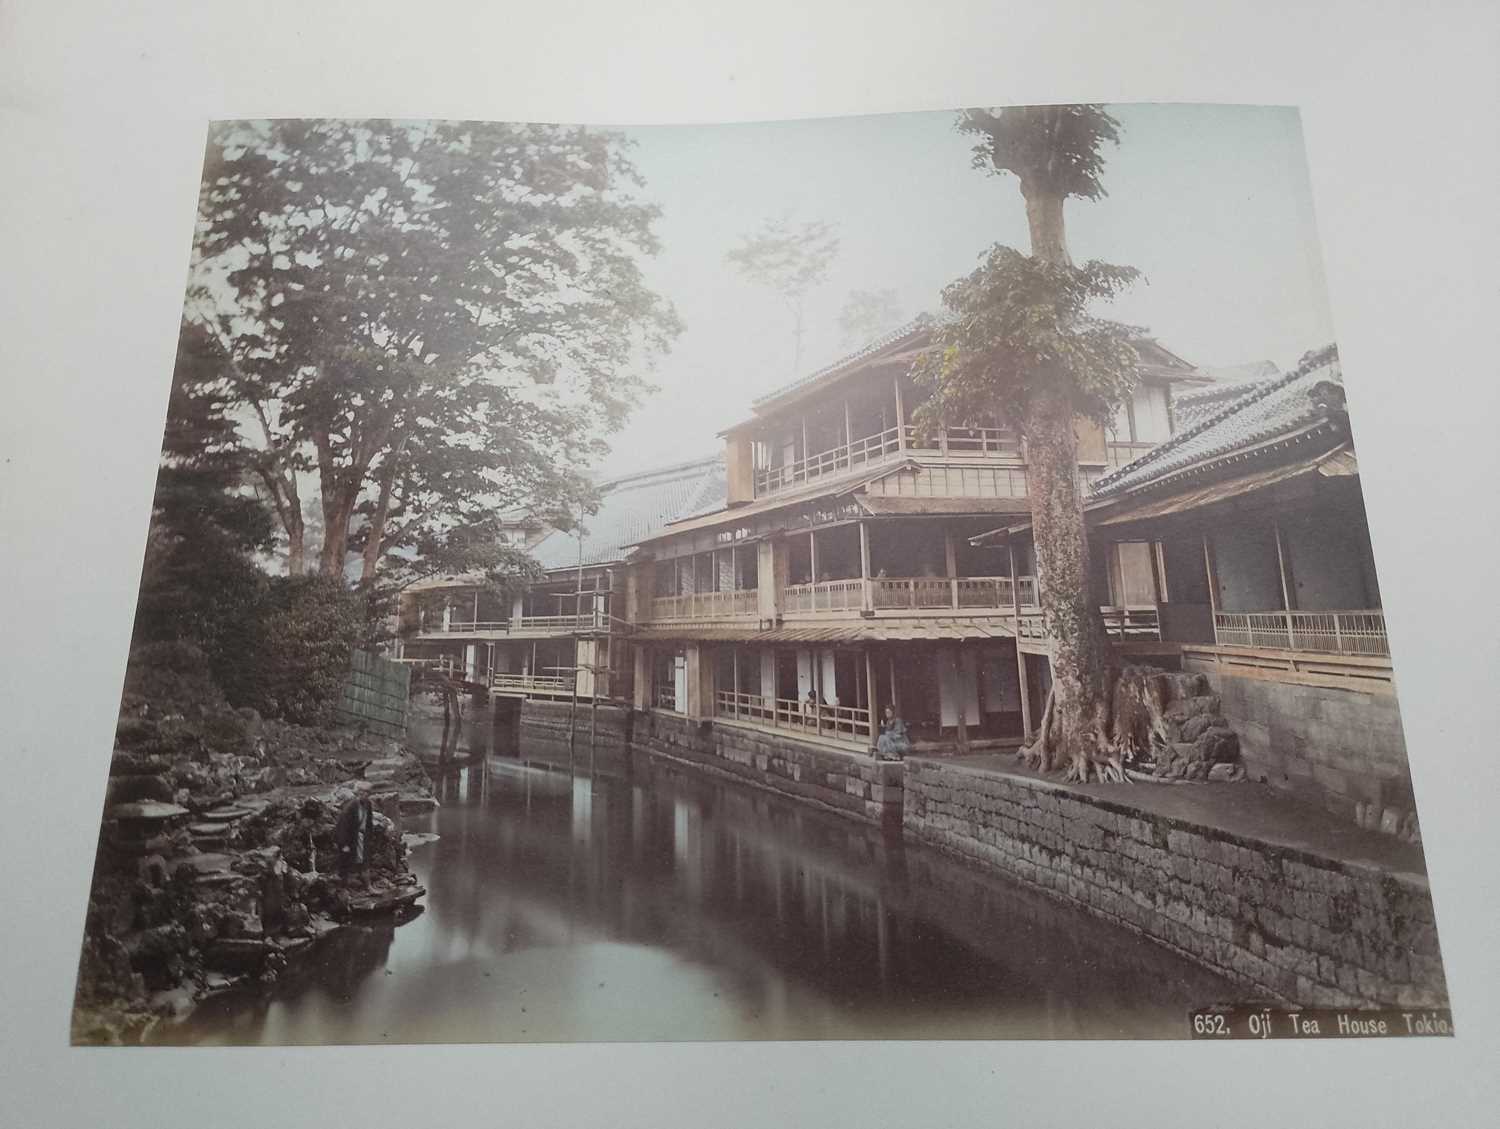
pixel 1144 419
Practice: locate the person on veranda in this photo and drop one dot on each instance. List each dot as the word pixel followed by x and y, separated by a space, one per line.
pixel 894 742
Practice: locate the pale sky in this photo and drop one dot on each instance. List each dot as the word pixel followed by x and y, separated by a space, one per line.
pixel 1211 203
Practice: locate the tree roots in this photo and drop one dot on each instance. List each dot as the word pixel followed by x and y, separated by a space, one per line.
pixel 1128 724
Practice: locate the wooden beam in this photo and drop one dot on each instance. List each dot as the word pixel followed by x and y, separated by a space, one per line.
pixel 1025 693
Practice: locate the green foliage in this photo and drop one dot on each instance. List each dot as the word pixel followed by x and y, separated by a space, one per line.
pixel 436 317
pixel 297 656
pixel 1019 326
pixel 198 581
pixel 1053 149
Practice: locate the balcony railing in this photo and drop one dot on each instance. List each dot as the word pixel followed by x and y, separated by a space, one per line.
pixel 914 593
pixel 871 449
pixel 666 697
pixel 891 592
pixel 982 442
pixel 847 723
pixel 543 684
pixel 987 442
pixel 592 621
pixel 824 596
pixel 1336 633
pixel 455 627
pixel 1132 622
pixel 706 605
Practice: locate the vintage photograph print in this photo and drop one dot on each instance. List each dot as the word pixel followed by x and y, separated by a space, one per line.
pixel 870 578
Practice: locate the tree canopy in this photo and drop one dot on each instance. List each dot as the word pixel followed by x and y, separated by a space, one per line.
pixel 1056 149
pixel 431 320
pixel 1021 327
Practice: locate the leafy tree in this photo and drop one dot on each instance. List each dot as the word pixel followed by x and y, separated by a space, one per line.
pixel 199 581
pixel 424 319
pixel 1023 341
pixel 791 259
pixel 867 314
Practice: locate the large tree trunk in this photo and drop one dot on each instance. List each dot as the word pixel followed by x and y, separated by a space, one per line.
pixel 375 535
pixel 1077 728
pixel 338 511
pixel 296 545
pixel 1044 216
pixel 1077 733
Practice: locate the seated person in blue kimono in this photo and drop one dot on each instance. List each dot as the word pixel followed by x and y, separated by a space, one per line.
pixel 894 742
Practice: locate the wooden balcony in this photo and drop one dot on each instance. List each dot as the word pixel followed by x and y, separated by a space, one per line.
pixel 706 605
pixel 527 626
pixel 824 596
pixel 1333 633
pixel 909 594
pixel 533 685
pixel 1132 623
pixel 841 723
pixel 957 442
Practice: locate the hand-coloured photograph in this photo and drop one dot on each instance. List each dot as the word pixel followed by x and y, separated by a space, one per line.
pixel 890 577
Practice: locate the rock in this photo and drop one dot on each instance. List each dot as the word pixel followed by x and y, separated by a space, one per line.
pixel 1185 751
pixel 147 812
pixel 1409 828
pixel 1195 727
pixel 1218 745
pixel 1390 821
pixel 1198 705
pixel 1223 772
pixel 153 870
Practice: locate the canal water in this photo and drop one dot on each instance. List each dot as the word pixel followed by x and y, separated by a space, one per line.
pixel 589 895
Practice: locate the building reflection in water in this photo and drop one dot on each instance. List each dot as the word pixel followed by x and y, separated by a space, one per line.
pixel 575 895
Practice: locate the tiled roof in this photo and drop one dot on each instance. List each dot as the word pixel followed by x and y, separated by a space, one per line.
pixel 1220 425
pixel 634 507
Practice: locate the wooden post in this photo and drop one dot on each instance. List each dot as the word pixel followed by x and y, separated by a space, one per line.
pixel 1286 590
pixel 866 603
pixel 958 699
pixel 900 417
pixel 1025 692
pixel 870 696
pixel 1213 585
pixel 848 435
pixel 812 558
pixel 804 448
pixel 895 694
pixel 950 562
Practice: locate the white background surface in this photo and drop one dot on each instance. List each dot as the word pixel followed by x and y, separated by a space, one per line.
pixel 102 112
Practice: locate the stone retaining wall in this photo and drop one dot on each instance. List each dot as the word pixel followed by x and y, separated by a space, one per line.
pixel 851 783
pixel 1283 922
pixel 1342 749
pixel 550 721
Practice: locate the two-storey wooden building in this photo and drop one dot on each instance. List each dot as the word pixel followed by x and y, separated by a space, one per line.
pixel 568 633
pixel 841 575
pixel 1239 547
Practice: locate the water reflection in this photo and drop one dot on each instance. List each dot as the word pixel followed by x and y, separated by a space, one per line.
pixel 577 894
